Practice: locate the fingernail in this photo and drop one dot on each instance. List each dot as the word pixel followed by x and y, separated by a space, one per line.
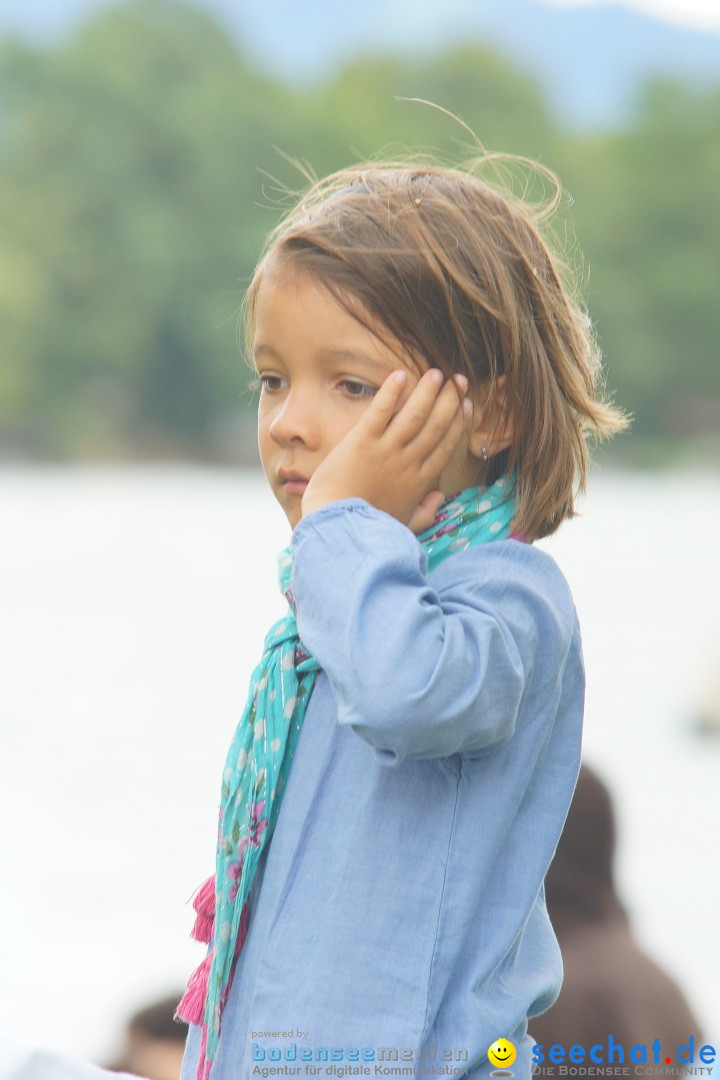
pixel 400 376
pixel 436 376
pixel 462 382
pixel 467 406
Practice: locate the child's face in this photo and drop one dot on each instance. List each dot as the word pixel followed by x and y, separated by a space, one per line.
pixel 319 369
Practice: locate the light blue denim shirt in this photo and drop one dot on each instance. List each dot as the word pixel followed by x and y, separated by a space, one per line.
pixel 398 915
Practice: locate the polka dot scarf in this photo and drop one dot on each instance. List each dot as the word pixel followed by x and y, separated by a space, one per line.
pixel 261 754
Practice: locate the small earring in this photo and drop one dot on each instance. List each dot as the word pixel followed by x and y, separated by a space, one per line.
pixel 484 453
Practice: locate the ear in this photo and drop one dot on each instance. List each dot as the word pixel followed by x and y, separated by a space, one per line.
pixel 492 429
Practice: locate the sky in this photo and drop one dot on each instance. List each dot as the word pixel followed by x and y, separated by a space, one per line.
pixel 590 67
pixel 701 14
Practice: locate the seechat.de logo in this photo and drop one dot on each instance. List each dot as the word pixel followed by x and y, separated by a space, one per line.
pixel 614 1053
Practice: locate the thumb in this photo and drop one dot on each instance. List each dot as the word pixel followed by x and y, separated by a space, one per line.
pixel 426 510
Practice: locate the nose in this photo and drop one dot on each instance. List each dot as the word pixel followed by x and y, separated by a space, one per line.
pixel 296 419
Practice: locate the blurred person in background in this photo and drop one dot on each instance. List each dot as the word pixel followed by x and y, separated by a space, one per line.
pixel 611 987
pixel 26 1061
pixel 154 1042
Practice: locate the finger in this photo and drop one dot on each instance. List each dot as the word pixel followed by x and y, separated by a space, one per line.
pixel 441 450
pixel 384 404
pixel 413 416
pixel 449 410
pixel 426 511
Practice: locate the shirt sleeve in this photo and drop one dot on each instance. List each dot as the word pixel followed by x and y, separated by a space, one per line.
pixel 420 665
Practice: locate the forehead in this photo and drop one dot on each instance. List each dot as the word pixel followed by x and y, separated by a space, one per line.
pixel 295 311
pixel 291 301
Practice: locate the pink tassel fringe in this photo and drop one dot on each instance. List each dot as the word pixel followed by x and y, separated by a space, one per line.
pixel 204 904
pixel 204 1065
pixel 192 1006
pixel 203 928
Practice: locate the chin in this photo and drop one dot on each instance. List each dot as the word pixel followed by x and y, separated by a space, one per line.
pixel 292 513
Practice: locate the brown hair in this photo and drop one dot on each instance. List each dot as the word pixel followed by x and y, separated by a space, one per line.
pixel 459 274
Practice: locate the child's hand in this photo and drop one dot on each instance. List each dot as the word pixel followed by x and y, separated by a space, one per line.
pixel 394 455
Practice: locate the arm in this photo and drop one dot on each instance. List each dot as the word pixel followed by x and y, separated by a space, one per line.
pixel 426 667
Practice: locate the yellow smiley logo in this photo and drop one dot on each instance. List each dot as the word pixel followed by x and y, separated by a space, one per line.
pixel 501 1053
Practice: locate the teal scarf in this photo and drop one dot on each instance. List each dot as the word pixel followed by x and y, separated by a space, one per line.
pixel 261 755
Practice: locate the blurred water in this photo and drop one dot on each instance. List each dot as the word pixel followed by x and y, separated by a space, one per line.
pixel 134 602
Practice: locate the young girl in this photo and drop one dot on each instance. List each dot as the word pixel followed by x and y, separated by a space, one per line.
pixel 400 776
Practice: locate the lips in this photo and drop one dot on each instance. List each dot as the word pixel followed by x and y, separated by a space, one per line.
pixel 294 483
pixel 290 474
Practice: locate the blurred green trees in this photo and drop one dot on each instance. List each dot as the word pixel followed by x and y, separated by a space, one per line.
pixel 647 215
pixel 134 201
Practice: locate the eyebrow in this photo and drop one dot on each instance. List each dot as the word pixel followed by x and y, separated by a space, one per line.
pixel 331 354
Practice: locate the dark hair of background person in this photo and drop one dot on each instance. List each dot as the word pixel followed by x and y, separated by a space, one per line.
pixel 611 987
pixel 154 1042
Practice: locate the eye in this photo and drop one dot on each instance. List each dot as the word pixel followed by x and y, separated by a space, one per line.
pixel 272 384
pixel 265 383
pixel 358 389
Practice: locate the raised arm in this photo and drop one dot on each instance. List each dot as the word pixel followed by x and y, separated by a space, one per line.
pixel 422 666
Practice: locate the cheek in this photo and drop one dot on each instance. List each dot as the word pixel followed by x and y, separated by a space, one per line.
pixel 342 421
pixel 263 423
pixel 265 440
pixel 334 416
pixel 336 424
